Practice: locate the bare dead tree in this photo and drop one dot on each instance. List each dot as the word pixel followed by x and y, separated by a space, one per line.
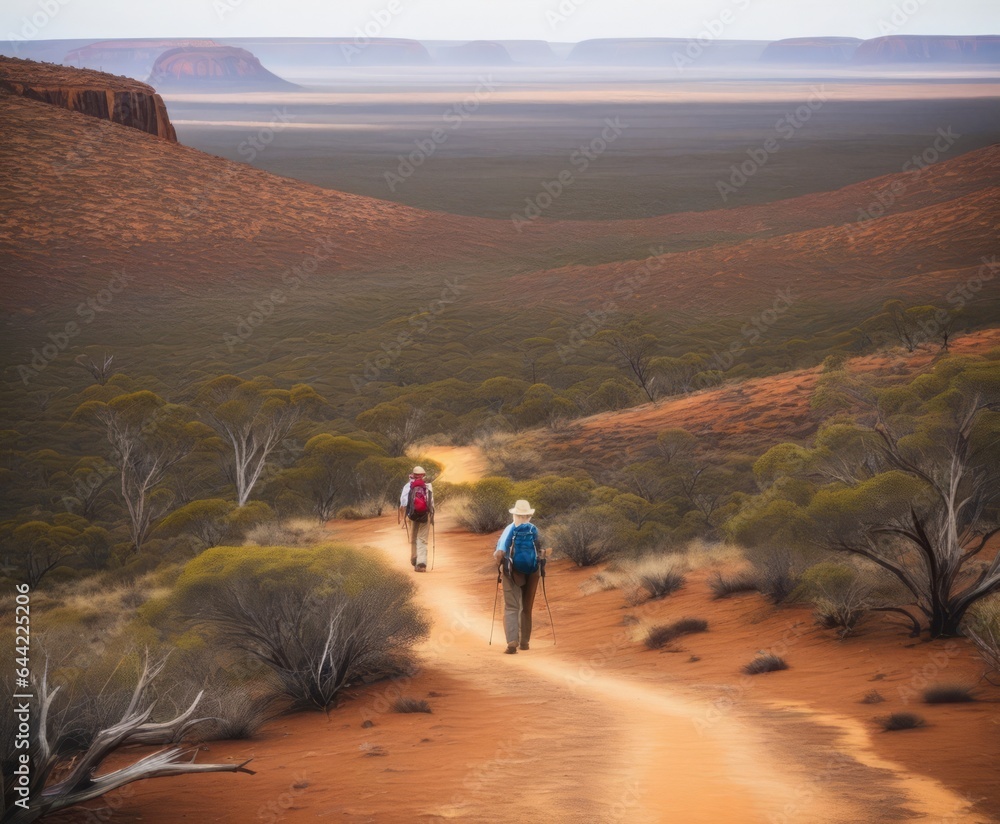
pixel 100 369
pixel 79 781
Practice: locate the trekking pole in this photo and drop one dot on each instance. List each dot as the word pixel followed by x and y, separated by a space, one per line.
pixel 546 596
pixel 496 595
pixel 434 541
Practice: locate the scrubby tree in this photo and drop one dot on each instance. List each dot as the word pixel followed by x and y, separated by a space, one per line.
pixel 148 437
pixel 253 418
pixel 398 423
pixel 320 618
pixel 327 472
pixel 635 349
pixel 32 549
pixel 913 487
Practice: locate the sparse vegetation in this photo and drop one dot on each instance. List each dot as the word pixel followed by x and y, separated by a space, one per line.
pixel 948 694
pixel 663 584
pixel 663 634
pixel 900 721
pixel 765 662
pixel 873 697
pixel 405 705
pixel 723 584
pixel 320 618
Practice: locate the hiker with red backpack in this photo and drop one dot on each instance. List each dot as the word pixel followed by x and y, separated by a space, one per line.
pixel 416 507
pixel 522 566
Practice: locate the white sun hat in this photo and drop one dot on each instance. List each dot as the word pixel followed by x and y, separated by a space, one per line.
pixel 522 507
pixel 419 470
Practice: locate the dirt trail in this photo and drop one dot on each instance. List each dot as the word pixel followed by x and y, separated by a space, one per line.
pixel 597 746
pixel 594 729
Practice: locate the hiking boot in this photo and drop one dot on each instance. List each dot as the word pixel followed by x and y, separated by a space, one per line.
pixel 421 567
pixel 511 649
pixel 524 645
pixel 413 562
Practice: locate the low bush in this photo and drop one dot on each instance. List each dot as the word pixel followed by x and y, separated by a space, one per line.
pixel 765 663
pixel 486 508
pixel 660 585
pixel 723 585
pixel 777 573
pixel 661 635
pixel 900 721
pixel 873 697
pixel 587 536
pixel 405 704
pixel 235 714
pixel 841 596
pixel 320 617
pixel 948 694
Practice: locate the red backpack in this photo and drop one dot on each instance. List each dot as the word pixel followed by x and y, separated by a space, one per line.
pixel 418 504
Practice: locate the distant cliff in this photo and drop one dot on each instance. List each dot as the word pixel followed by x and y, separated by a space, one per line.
pixel 919 48
pixel 107 96
pixel 211 68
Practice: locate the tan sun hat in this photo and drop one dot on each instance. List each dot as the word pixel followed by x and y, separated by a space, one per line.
pixel 522 507
pixel 419 470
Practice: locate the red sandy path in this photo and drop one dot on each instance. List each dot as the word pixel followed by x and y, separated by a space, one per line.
pixel 595 729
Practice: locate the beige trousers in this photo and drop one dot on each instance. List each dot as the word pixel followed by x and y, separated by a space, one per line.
pixel 518 599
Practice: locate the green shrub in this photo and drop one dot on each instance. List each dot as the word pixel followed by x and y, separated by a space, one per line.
pixel 320 617
pixel 588 536
pixel 487 507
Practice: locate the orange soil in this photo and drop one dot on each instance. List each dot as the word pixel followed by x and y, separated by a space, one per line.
pixel 598 728
pixel 750 415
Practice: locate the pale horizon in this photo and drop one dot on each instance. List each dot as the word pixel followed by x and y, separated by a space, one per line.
pixel 556 21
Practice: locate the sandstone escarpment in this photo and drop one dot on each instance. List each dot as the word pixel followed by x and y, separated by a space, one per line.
pixel 204 68
pixel 919 48
pixel 132 58
pixel 811 50
pixel 106 96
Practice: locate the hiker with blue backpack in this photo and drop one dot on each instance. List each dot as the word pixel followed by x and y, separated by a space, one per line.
pixel 416 507
pixel 521 562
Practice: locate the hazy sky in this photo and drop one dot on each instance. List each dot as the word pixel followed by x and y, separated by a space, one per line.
pixel 495 19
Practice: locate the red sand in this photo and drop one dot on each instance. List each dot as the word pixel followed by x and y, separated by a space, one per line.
pixel 598 728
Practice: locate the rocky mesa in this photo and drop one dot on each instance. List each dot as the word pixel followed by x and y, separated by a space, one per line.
pixel 106 96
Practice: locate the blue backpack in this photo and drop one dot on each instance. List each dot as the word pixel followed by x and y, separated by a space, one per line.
pixel 522 549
